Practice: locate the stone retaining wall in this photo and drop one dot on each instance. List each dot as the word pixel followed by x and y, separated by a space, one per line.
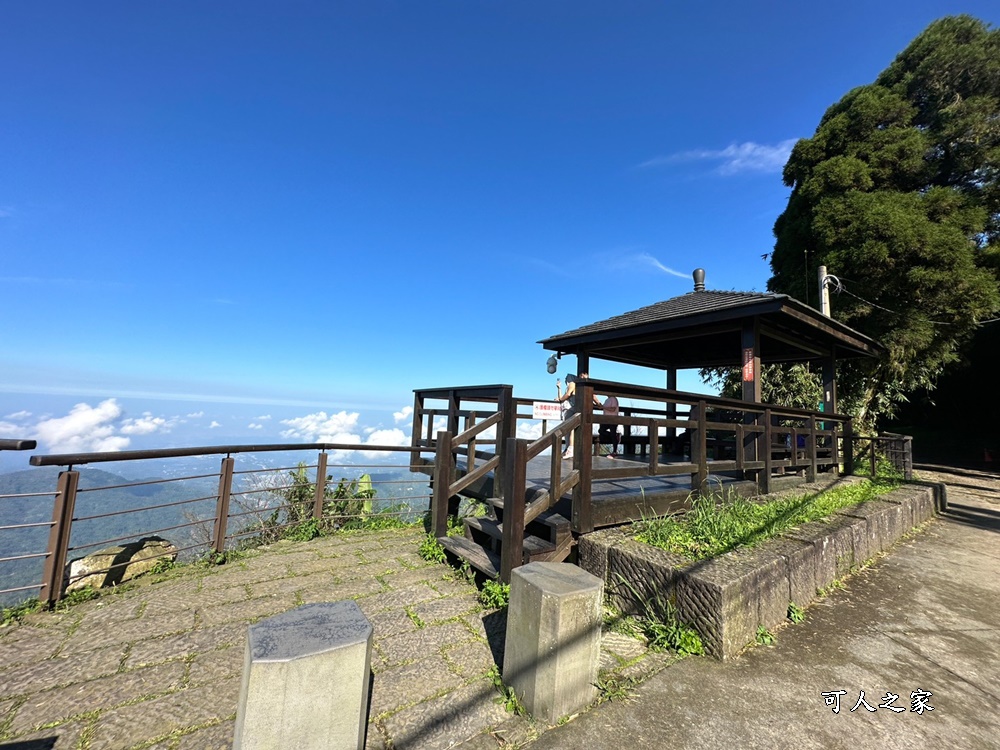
pixel 727 598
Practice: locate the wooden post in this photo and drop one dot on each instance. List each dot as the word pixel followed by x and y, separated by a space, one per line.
pixel 470 454
pixel 764 479
pixel 671 410
pixel 811 469
pixel 583 459
pixel 506 429
pixel 512 541
pixel 700 438
pixel 440 495
pixel 751 382
pixel 320 496
pixel 59 533
pixel 417 430
pixel 830 383
pixel 849 447
pixel 222 505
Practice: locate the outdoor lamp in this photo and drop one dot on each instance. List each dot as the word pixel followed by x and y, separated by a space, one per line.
pixel 551 365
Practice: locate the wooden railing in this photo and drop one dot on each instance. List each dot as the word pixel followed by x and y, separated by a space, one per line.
pixel 702 434
pixel 520 509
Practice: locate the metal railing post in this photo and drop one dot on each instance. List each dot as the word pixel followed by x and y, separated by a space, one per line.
pixel 871 443
pixel 222 506
pixel 443 465
pixel 512 541
pixel 62 526
pixel 320 496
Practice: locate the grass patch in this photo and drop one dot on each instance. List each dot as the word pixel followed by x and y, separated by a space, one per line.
pixel 717 524
pixel 507 697
pixel 431 550
pixel 615 689
pixel 494 594
pixel 10 615
pixel 764 636
pixel 660 624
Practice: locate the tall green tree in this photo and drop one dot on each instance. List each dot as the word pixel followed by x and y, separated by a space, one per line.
pixel 898 194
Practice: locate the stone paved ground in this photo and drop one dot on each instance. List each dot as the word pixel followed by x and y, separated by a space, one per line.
pixel 158 665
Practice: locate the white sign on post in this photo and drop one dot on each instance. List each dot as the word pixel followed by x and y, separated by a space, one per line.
pixel 546 410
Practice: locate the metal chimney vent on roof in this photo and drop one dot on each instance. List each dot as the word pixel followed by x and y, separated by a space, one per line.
pixel 699 279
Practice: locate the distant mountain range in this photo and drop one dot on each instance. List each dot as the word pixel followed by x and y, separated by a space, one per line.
pixel 185 500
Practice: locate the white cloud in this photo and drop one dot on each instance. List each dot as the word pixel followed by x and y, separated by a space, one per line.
pixel 18 415
pixel 214 425
pixel 85 429
pixel 254 426
pixel 263 418
pixel 531 430
pixel 322 428
pixel 9 429
pixel 145 425
pixel 405 413
pixel 735 158
pixel 647 259
pixel 196 415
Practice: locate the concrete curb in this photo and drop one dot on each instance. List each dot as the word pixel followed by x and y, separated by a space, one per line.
pixel 728 598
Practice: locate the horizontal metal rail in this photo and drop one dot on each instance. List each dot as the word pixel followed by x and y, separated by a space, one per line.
pixel 79 459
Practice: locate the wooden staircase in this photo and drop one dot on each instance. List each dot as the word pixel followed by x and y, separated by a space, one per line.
pixel 547 538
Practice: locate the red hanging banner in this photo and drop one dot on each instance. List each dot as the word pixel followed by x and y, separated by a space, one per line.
pixel 748 365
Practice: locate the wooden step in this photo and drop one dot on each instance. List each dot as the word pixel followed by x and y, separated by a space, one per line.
pixel 549 517
pixel 483 560
pixel 559 527
pixel 535 548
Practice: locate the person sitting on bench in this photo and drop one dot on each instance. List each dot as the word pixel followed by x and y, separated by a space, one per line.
pixel 609 433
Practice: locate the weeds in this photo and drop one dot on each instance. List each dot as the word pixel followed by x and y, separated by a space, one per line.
pixel 494 594
pixel 764 636
pixel 615 688
pixel 795 613
pixel 717 524
pixel 163 565
pixel 508 698
pixel 430 549
pixel 78 596
pixel 16 613
pixel 661 625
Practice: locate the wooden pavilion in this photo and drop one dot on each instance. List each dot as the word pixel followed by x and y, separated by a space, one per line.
pixel 539 503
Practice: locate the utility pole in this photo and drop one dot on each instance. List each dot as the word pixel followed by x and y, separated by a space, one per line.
pixel 824 293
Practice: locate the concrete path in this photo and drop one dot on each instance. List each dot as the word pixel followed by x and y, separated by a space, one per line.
pixel 923 620
pixel 158 665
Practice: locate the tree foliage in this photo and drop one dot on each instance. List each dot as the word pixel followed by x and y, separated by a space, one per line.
pixel 795 386
pixel 898 194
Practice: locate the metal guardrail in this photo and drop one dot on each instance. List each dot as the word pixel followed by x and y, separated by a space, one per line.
pixel 239 505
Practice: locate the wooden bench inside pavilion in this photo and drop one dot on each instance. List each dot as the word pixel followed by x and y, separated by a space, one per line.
pixel 539 503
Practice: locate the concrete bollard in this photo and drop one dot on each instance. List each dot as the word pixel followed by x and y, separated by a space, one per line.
pixel 553 645
pixel 305 680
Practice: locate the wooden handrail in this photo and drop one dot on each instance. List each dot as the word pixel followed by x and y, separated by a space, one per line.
pixel 470 433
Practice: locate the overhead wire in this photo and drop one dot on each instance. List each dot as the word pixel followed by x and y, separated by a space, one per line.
pixel 839 288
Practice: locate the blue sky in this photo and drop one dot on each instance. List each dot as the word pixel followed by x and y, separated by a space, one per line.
pixel 250 214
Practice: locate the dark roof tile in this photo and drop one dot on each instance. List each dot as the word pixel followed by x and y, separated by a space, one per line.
pixel 685 305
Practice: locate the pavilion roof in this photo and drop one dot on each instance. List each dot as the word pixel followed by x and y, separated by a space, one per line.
pixel 704 328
